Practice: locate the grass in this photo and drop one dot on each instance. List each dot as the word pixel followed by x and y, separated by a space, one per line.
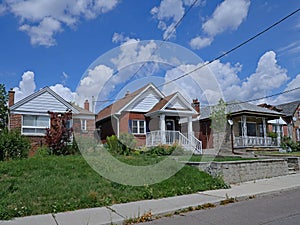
pixel 199 158
pixel 55 184
pixel 277 153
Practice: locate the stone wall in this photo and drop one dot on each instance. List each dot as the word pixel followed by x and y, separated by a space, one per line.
pixel 241 171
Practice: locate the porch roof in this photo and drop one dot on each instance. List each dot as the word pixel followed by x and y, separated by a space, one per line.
pixel 237 108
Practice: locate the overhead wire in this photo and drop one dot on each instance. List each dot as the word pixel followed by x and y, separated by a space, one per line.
pixel 222 55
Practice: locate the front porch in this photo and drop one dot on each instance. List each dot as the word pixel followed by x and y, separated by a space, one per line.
pixel 251 131
pixel 167 130
pixel 189 142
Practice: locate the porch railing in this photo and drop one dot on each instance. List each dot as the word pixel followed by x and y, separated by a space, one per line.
pixel 155 138
pixel 255 141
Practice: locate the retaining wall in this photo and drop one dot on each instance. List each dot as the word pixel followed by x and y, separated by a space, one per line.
pixel 241 171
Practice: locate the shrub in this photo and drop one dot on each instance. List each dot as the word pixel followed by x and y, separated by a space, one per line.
pixel 290 145
pixel 272 135
pixel 42 152
pixel 122 146
pixel 13 145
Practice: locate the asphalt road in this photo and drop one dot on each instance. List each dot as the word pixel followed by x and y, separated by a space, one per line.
pixel 276 209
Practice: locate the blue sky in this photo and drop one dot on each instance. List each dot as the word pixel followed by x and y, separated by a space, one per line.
pixel 53 43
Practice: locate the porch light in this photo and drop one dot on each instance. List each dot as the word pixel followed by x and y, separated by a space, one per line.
pixel 230 122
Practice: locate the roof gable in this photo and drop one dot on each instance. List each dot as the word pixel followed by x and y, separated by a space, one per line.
pixel 173 102
pixel 43 101
pixel 131 101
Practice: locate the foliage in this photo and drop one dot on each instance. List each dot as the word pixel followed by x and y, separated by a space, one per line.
pixel 13 145
pixel 218 117
pixel 120 146
pixel 58 136
pixel 128 140
pixel 3 108
pixel 164 150
pixel 43 151
pixel 23 182
pixel 288 144
pixel 272 134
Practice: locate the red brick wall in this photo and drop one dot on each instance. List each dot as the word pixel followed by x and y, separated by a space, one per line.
pixel 90 128
pixel 15 121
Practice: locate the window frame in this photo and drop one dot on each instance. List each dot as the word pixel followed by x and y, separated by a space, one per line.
pixel 83 125
pixel 138 127
pixel 35 127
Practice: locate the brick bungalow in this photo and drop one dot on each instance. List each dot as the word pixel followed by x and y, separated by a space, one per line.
pixel 30 115
pixel 246 123
pixel 151 117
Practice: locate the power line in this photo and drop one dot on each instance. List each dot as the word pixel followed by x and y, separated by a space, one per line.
pixel 268 96
pixel 167 37
pixel 232 49
pixel 222 55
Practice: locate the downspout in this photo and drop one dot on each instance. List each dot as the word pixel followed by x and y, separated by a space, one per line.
pixel 118 125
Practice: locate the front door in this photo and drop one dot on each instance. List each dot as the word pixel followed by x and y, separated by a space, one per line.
pixel 170 134
pixel 170 125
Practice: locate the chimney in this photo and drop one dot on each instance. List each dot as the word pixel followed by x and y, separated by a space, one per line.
pixel 127 93
pixel 87 105
pixel 11 97
pixel 196 105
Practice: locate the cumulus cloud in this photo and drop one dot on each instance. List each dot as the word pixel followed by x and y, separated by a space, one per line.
pixel 289 96
pixel 227 16
pixel 200 42
pixel 26 86
pixel 42 19
pixel 221 80
pixel 168 13
pixel 64 92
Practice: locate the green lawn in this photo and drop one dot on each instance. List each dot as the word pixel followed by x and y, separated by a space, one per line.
pixel 277 153
pixel 55 184
pixel 199 158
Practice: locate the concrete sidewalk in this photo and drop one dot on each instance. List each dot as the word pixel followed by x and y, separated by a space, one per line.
pixel 116 214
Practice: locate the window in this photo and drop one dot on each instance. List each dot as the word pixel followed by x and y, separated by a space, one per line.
pixel 83 125
pixel 138 127
pixel 35 125
pixel 251 129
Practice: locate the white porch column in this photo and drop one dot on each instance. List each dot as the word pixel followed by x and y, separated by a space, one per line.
pixel 162 126
pixel 278 129
pixel 244 130
pixel 190 129
pixel 265 131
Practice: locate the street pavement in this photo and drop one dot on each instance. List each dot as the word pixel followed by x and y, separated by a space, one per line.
pixel 274 209
pixel 117 214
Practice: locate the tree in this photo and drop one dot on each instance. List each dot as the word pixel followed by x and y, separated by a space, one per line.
pixel 218 121
pixel 58 136
pixel 3 107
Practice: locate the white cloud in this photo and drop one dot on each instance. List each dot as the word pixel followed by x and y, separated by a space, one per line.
pixel 42 19
pixel 227 16
pixel 44 32
pixel 119 38
pixel 168 13
pixel 26 86
pixel 268 77
pixel 221 80
pixel 93 83
pixel 289 96
pixel 64 92
pixel 200 42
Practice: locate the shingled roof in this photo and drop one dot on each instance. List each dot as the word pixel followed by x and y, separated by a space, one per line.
pixel 289 109
pixel 237 107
